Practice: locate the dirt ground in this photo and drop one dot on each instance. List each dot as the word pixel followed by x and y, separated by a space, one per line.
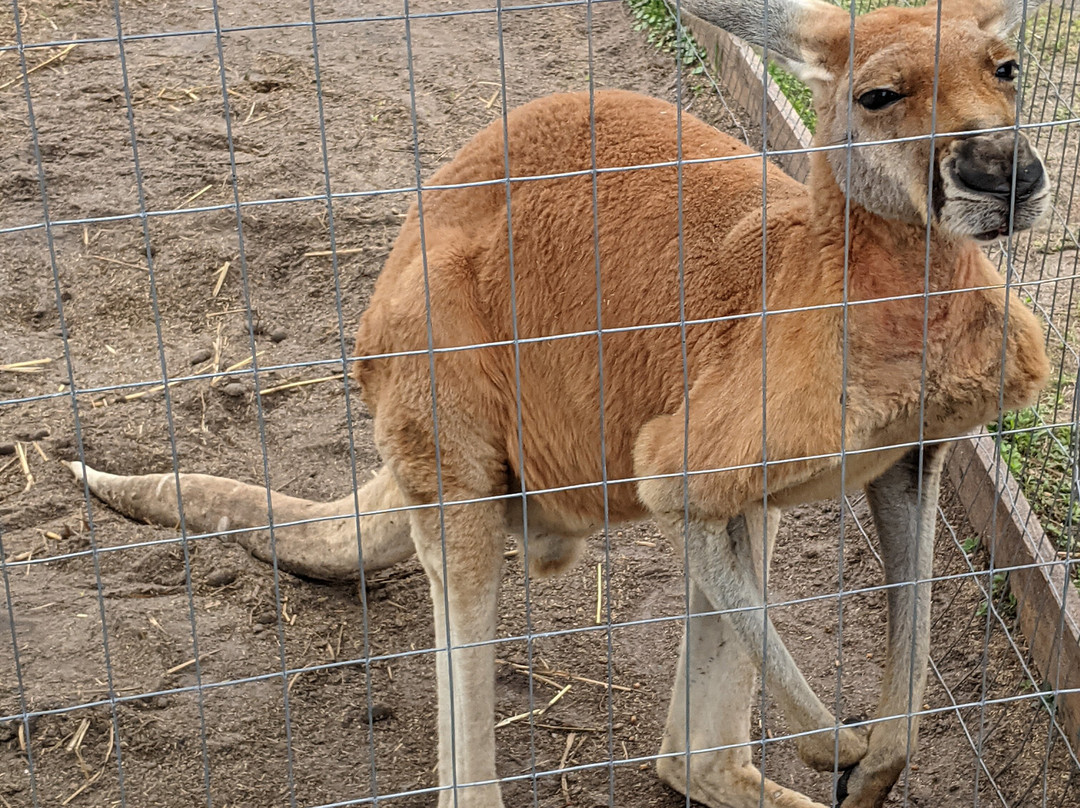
pixel 126 621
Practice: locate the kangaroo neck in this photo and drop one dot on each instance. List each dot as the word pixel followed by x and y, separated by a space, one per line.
pixel 885 257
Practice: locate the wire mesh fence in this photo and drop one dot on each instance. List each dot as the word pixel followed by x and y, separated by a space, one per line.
pixel 197 201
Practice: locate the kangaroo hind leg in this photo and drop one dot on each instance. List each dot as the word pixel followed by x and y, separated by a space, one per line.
pixel 710 706
pixel 459 528
pixel 904 502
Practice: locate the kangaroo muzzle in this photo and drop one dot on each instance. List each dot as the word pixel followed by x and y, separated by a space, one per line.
pixel 985 164
pixel 991 185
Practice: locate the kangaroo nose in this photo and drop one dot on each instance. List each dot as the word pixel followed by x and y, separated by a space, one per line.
pixel 985 163
pixel 1028 175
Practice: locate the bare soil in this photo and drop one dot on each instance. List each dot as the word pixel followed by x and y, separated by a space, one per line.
pixel 99 612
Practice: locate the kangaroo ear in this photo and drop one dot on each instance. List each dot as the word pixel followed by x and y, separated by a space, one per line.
pixel 998 17
pixel 809 37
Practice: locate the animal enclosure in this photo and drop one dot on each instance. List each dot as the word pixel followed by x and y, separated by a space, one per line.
pixel 192 225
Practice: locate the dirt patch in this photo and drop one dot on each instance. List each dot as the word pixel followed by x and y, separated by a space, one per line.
pixel 96 620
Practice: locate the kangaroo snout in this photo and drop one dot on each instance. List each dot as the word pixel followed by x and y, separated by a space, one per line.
pixel 984 163
pixel 991 185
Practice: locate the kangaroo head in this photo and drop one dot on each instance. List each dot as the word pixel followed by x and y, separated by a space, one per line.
pixel 901 59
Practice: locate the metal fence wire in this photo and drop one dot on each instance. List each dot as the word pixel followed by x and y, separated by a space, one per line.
pixel 195 203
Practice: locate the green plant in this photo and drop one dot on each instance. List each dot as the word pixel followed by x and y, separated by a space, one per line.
pixel 1051 30
pixel 1045 691
pixel 1040 458
pixel 656 17
pixel 797 93
pixel 1004 600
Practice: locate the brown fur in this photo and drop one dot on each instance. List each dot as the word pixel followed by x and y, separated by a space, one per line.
pixel 643 378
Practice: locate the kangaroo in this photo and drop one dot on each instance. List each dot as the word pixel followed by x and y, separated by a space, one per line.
pixel 751 361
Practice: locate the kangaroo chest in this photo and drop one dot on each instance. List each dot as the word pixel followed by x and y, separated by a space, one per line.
pixel 924 368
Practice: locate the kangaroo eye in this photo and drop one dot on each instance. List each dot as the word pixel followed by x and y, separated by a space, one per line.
pixel 1008 71
pixel 879 99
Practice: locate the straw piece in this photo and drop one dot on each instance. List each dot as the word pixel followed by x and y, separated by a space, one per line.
pixel 547 671
pixel 292 681
pixel 524 669
pixel 20 451
pixel 104 763
pixel 599 592
pixel 108 748
pixel 301 383
pixel 201 191
pixel 84 786
pixel 190 662
pixel 562 766
pixel 221 273
pixel 324 253
pixel 539 711
pixel 108 260
pixel 77 738
pixel 157 388
pixel 247 360
pixel 28 366
pixel 224 312
pixel 54 58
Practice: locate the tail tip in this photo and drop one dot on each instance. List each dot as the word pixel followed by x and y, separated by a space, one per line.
pixel 78 469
